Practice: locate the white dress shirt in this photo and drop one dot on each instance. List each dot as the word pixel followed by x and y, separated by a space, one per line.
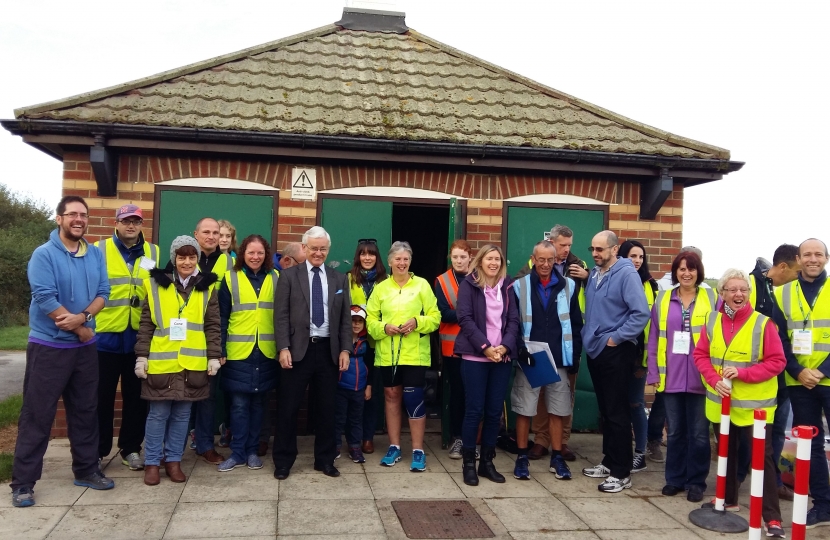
pixel 314 330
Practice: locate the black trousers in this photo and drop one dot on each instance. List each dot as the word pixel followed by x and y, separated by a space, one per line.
pixel 50 374
pixel 611 372
pixel 111 367
pixel 317 369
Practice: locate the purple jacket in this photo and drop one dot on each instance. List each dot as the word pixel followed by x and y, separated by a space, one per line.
pixel 472 317
pixel 681 373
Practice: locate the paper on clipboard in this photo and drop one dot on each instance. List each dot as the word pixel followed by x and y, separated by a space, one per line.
pixel 544 371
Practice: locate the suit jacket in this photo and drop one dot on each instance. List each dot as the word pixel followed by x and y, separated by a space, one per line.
pixel 292 320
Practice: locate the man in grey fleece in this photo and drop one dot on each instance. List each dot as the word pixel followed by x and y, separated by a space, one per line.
pixel 616 313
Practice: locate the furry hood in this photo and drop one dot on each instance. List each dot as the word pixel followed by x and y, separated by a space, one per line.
pixel 164 278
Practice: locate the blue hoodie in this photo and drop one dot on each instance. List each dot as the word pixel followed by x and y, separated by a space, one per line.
pixel 617 309
pixel 58 278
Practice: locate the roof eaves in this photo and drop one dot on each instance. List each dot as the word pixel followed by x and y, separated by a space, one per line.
pixel 721 153
pixel 173 73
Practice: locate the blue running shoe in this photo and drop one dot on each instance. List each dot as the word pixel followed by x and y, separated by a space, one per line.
pixel 229 465
pixel 419 461
pixel 96 480
pixel 254 463
pixel 559 468
pixel 23 497
pixel 393 455
pixel 520 471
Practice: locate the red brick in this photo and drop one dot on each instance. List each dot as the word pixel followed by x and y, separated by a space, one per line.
pixel 76 175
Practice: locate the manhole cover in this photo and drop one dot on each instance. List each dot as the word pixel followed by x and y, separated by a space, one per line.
pixel 440 519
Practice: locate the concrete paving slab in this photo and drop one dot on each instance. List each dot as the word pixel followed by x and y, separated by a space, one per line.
pixel 678 509
pixel 511 488
pixel 578 486
pixel 534 515
pixel 410 485
pixel 114 522
pixel 551 535
pixel 305 464
pixel 657 534
pixel 331 537
pixel 650 484
pixel 58 469
pixel 30 523
pixel 303 517
pixel 203 468
pixel 619 513
pixel 320 486
pixel 58 449
pixel 434 464
pixel 48 492
pixel 223 519
pixel 133 491
pixel 226 487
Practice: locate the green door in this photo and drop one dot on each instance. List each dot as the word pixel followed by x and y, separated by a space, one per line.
pixel 349 220
pixel 180 210
pixel 525 227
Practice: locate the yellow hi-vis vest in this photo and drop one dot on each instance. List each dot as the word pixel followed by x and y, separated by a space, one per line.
pixel 746 348
pixel 168 356
pixel 252 318
pixel 117 314
pixel 224 264
pixel 800 316
pixel 650 301
pixel 705 303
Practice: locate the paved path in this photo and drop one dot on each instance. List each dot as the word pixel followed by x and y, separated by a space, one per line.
pixel 308 505
pixel 12 369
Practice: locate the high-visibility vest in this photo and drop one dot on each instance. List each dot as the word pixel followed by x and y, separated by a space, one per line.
pixel 580 298
pixel 650 301
pixel 223 265
pixel 448 331
pixel 523 289
pixel 117 314
pixel 168 356
pixel 753 291
pixel 252 317
pixel 817 321
pixel 705 303
pixel 745 350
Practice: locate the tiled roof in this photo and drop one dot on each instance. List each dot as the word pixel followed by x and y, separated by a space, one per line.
pixel 333 81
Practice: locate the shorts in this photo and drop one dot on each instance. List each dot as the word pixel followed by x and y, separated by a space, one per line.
pixel 524 398
pixel 415 376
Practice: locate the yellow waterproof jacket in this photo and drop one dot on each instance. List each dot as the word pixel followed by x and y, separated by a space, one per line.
pixel 359 299
pixel 393 304
pixel 800 316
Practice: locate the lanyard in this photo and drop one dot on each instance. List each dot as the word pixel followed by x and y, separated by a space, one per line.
pixel 801 307
pixel 686 312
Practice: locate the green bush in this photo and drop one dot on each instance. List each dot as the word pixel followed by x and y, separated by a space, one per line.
pixel 24 225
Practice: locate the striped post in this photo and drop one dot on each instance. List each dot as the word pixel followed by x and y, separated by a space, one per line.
pixel 723 450
pixel 756 493
pixel 805 436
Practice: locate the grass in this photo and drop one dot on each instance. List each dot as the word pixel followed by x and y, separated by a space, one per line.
pixel 14 338
pixel 9 413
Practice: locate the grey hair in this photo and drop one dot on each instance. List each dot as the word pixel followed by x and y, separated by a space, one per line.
pixel 291 249
pixel 561 230
pixel 693 249
pixel 545 244
pixel 733 273
pixel 316 232
pixel 396 247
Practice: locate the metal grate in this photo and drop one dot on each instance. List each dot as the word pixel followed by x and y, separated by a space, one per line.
pixel 440 519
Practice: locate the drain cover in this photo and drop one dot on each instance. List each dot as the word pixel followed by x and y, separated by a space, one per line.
pixel 440 519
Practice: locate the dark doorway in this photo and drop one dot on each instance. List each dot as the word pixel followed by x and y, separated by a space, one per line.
pixel 426 230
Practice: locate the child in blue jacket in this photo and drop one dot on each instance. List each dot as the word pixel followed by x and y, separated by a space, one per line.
pixel 353 390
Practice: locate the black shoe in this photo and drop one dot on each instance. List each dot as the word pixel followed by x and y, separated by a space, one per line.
pixel 469 467
pixel 695 494
pixel 486 467
pixel 281 473
pixel 328 470
pixel 671 491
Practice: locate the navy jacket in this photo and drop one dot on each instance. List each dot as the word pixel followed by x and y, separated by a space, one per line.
pixel 472 317
pixel 361 361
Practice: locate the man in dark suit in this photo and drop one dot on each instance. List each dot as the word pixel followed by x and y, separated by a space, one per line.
pixel 313 326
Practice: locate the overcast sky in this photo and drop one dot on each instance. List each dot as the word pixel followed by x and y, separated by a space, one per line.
pixel 741 75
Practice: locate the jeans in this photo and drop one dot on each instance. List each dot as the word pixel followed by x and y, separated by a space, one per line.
pixel 688 451
pixel 166 431
pixel 808 406
pixel 204 412
pixel 779 426
pixel 657 418
pixel 637 400
pixel 485 386
pixel 245 423
pixel 348 416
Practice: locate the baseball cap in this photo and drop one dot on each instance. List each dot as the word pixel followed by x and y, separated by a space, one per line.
pixel 128 210
pixel 358 311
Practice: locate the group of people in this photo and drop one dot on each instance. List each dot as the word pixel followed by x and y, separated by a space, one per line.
pixel 285 323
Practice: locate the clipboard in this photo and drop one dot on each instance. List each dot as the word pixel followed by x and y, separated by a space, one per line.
pixel 544 371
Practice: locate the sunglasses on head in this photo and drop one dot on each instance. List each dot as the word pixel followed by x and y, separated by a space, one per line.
pixel 368 241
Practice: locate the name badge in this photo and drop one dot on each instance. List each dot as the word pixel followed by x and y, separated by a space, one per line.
pixel 681 343
pixel 147 264
pixel 802 342
pixel 178 329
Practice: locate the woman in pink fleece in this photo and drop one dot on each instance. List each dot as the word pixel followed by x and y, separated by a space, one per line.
pixel 742 345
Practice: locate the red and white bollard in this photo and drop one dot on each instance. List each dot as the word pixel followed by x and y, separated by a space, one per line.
pixel 805 435
pixel 756 493
pixel 723 449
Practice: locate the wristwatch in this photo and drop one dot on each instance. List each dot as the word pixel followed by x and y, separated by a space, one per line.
pixel 87 316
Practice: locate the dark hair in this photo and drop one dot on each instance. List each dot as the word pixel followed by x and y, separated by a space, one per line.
pixel 70 199
pixel 785 253
pixel 625 249
pixel 267 263
pixel 186 251
pixel 372 249
pixel 693 262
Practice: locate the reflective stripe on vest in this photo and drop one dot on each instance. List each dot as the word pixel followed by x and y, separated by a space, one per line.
pixel 705 303
pixel 745 350
pixel 252 317
pixel 787 297
pixel 168 356
pixel 117 314
pixel 448 331
pixel 523 288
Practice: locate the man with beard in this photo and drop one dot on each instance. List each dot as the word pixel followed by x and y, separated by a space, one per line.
pixel 69 287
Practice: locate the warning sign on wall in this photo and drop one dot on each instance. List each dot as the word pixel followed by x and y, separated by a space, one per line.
pixel 303 184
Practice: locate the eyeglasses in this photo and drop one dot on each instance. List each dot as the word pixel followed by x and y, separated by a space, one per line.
pixel 546 262
pixel 733 291
pixel 75 215
pixel 132 222
pixel 317 249
pixel 367 241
